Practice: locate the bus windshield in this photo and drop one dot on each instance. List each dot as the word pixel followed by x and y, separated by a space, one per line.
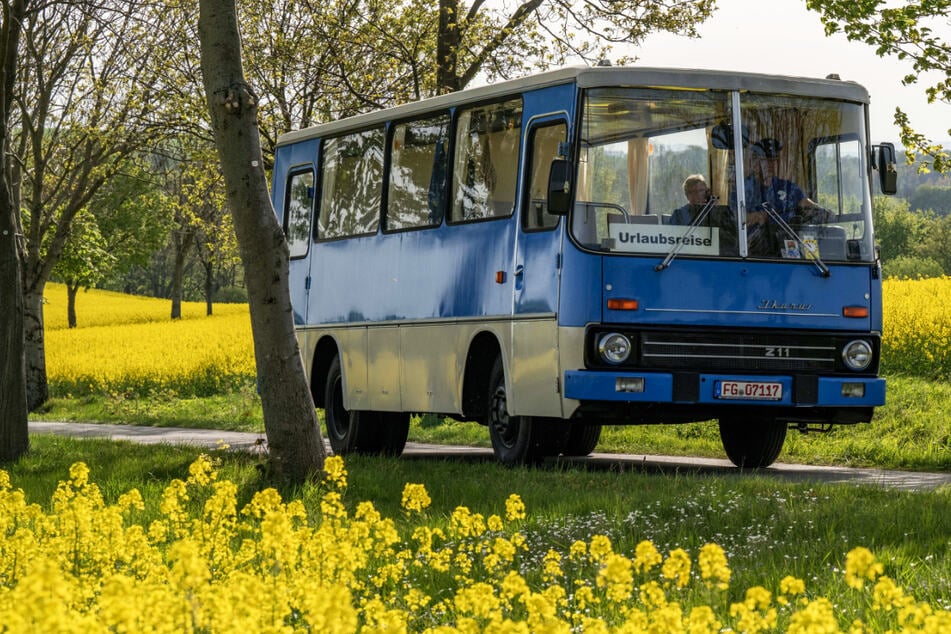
pixel 662 171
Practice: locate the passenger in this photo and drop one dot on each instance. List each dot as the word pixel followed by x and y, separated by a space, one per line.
pixel 696 191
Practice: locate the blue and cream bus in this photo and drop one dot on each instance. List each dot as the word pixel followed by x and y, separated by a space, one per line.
pixel 523 255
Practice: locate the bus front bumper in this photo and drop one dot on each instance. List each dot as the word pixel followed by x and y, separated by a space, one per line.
pixel 725 389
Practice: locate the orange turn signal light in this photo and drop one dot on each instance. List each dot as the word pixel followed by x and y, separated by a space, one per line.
pixel 854 311
pixel 622 304
pixel 500 277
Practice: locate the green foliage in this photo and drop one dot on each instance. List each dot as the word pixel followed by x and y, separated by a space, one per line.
pixel 231 295
pixel 931 198
pixel 904 31
pixel 936 242
pixel 896 227
pixel 921 239
pixel 86 255
pixel 909 267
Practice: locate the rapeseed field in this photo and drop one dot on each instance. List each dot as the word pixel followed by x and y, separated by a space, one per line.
pixel 202 564
pixel 916 338
pixel 127 345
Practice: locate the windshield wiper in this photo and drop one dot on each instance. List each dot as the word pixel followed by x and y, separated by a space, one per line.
pixel 772 213
pixel 677 248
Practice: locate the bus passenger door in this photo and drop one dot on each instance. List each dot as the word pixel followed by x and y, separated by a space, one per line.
pixel 536 275
pixel 297 219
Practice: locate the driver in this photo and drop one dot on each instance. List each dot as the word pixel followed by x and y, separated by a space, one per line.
pixel 763 186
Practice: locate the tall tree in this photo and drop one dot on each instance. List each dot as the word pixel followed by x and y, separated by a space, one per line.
pixel 14 435
pixel 134 217
pixel 500 40
pixel 320 61
pixel 290 419
pixel 85 104
pixel 906 32
pixel 84 260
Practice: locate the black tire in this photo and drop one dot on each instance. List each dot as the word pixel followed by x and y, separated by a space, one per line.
pixel 752 444
pixel 346 430
pixel 519 440
pixel 392 429
pixel 582 439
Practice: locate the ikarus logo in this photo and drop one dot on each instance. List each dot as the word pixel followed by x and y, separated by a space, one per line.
pixel 772 304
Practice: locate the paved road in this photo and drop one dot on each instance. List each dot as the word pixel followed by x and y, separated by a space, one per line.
pixel 904 480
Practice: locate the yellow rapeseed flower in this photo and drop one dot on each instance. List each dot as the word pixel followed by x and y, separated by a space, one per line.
pixel 600 547
pixel 206 565
pixel 816 617
pixel 646 556
pixel 677 567
pixel 714 569
pixel 617 577
pixel 703 620
pixel 335 473
pixel 861 565
pixel 514 508
pixel 415 498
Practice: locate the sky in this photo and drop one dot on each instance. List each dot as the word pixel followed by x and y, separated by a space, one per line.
pixel 781 37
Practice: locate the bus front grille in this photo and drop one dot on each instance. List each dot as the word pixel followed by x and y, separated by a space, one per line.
pixel 738 351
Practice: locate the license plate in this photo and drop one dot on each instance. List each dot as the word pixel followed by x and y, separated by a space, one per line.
pixel 749 390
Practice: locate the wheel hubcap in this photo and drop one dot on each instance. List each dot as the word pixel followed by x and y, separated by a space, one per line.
pixel 505 427
pixel 339 417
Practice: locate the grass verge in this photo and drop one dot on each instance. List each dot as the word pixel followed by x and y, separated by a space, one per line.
pixel 912 431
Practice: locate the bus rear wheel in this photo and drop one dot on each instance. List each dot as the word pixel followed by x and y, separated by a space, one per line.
pixel 752 444
pixel 360 431
pixel 391 431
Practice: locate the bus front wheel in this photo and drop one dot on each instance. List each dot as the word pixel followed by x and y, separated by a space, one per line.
pixel 752 444
pixel 582 439
pixel 518 440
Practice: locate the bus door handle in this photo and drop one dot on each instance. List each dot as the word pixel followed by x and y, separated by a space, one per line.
pixel 519 276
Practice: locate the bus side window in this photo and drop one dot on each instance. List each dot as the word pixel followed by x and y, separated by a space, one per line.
pixel 298 207
pixel 485 168
pixel 544 149
pixel 416 191
pixel 351 185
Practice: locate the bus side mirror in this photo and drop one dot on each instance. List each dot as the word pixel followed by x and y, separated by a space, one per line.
pixel 559 187
pixel 885 163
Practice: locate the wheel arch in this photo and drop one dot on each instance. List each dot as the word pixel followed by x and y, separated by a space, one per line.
pixel 483 350
pixel 324 353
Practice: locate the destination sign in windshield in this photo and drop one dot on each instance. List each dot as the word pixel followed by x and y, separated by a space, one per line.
pixel 665 238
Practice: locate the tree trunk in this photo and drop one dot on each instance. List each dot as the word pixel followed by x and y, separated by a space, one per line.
pixel 14 434
pixel 290 419
pixel 209 286
pixel 34 338
pixel 178 275
pixel 447 47
pixel 72 288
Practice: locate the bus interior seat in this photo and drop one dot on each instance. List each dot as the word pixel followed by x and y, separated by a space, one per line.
pixel 648 219
pixel 500 208
pixel 585 225
pixel 831 242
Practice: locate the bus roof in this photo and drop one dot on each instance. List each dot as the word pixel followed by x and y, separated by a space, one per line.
pixel 599 76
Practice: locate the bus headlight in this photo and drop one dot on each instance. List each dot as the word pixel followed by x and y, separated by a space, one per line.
pixel 857 354
pixel 614 348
